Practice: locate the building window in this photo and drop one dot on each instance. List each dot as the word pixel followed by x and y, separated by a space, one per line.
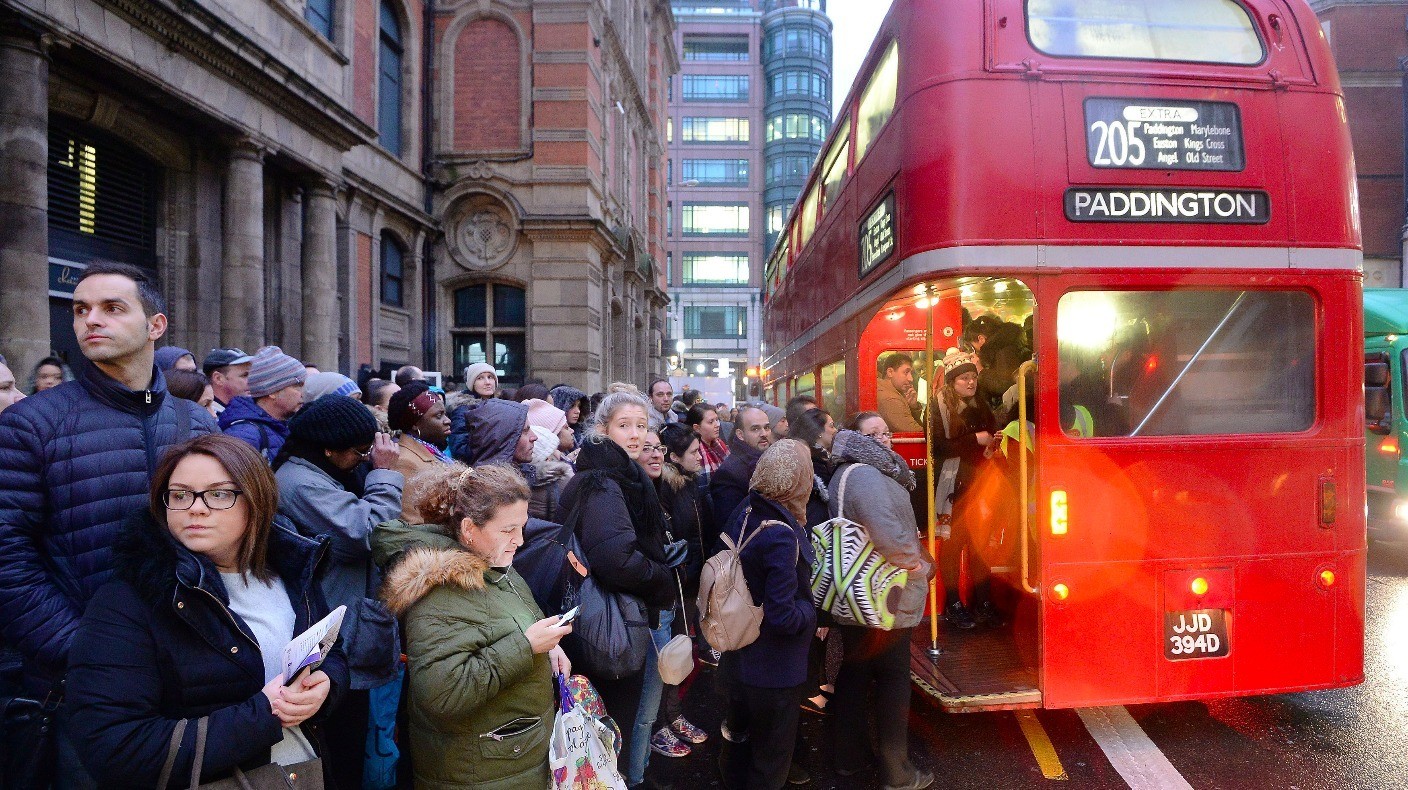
pixel 389 81
pixel 393 259
pixel 799 41
pixel 715 323
pixel 715 219
pixel 669 172
pixel 877 103
pixel 318 13
pixel 783 169
pixel 731 49
pixel 102 197
pixel 795 126
pixel 716 172
pixel 716 87
pixel 669 218
pixel 716 268
pixel 714 130
pixel 490 326
pixel 798 83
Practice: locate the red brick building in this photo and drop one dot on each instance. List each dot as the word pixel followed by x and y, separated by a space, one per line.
pixel 1368 39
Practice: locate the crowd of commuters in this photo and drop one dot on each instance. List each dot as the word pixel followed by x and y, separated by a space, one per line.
pixel 168 524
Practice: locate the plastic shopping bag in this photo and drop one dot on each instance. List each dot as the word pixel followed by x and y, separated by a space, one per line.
pixel 585 743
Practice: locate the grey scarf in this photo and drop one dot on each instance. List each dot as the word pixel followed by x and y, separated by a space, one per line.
pixel 852 447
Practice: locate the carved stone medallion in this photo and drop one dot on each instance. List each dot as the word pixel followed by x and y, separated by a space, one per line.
pixel 483 234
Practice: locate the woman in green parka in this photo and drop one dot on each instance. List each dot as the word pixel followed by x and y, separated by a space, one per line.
pixel 482 655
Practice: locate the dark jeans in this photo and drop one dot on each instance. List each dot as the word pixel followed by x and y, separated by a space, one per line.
pixel 345 741
pixel 950 555
pixel 622 701
pixel 874 679
pixel 768 717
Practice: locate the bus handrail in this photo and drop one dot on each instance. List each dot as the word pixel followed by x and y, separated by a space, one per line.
pixel 1023 474
pixel 1217 330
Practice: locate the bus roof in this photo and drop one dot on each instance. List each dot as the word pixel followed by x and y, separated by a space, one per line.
pixel 1385 311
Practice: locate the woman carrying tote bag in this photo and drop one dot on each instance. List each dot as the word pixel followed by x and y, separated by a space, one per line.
pixel 209 589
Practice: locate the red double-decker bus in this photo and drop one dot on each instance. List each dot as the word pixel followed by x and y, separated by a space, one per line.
pixel 1155 202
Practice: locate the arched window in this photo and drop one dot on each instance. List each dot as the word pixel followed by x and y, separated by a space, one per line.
pixel 393 271
pixel 491 323
pixel 389 81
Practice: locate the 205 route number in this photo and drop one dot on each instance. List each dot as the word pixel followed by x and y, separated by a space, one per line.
pixel 1195 633
pixel 1118 144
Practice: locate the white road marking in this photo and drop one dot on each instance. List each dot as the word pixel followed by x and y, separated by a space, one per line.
pixel 1130 750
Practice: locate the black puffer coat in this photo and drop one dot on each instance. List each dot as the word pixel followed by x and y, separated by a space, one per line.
pixel 74 462
pixel 160 644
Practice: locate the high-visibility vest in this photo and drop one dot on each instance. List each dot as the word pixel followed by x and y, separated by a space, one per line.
pixel 1013 432
pixel 1084 426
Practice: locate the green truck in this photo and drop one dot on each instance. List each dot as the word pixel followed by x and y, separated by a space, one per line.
pixel 1385 418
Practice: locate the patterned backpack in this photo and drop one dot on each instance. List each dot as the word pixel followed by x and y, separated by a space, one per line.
pixel 850 579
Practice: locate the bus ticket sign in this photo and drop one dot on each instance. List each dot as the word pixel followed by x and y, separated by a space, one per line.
pixel 877 235
pixel 1162 134
pixel 1195 633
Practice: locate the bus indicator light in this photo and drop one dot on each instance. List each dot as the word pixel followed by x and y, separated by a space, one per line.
pixel 1327 578
pixel 1059 512
pixel 1061 591
pixel 1199 586
pixel 1389 446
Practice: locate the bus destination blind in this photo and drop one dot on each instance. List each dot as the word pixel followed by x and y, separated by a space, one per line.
pixel 1160 134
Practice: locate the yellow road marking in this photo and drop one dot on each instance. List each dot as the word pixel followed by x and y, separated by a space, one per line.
pixel 1042 749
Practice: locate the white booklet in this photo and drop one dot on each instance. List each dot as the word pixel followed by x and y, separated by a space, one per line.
pixel 308 649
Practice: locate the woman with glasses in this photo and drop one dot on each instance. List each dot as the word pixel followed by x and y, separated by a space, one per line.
pixel 871 486
pixel 325 489
pixel 869 423
pixel 210 587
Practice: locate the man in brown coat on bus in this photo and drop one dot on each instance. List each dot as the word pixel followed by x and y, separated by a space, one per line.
pixel 896 397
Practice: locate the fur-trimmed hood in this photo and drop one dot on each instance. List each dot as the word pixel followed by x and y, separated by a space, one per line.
pixel 423 569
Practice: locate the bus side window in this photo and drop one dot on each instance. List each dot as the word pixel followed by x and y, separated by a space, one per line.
pixel 1378 394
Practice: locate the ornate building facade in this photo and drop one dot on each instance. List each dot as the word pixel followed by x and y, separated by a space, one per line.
pixel 362 182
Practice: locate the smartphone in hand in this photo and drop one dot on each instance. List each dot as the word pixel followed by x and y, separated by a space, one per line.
pixel 568 615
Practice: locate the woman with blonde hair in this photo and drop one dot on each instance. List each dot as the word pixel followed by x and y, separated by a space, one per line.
pixel 481 655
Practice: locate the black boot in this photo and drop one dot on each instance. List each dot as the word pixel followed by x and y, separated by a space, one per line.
pixel 989 615
pixel 958 616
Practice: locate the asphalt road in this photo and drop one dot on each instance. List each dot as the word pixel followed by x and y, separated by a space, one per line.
pixel 1349 738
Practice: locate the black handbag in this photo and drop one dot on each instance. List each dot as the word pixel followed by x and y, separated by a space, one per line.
pixel 612 633
pixel 30 750
pixel 306 775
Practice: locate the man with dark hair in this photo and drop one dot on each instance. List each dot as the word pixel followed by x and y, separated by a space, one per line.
pixel 799 405
pixel 662 396
pixel 896 397
pixel 75 461
pixel 406 374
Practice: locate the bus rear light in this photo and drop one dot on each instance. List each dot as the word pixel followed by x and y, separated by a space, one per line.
pixel 1199 586
pixel 1389 446
pixel 1059 512
pixel 1060 591
pixel 1329 503
pixel 1327 578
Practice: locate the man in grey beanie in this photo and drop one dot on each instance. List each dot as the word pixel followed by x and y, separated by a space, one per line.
pixel 275 394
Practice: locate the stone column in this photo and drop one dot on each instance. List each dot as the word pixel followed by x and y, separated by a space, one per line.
pixel 320 276
pixel 242 275
pixel 24 197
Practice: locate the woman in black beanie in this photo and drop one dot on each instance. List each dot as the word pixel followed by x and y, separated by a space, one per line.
pixel 324 490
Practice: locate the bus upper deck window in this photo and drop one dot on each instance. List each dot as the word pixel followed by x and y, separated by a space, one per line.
pixel 877 103
pixel 1205 31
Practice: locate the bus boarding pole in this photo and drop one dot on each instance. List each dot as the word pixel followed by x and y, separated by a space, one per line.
pixel 934 604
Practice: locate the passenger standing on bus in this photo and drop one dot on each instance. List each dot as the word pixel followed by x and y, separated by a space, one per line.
pixel 875 663
pixel 896 397
pixel 964 428
pixel 704 420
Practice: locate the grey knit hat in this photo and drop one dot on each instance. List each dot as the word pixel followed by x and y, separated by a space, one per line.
pixel 271 370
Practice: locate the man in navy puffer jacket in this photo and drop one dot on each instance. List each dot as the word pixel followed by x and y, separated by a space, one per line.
pixel 75 461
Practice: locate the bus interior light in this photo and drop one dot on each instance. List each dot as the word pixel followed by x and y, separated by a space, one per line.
pixel 1327 578
pixel 1060 511
pixel 1060 591
pixel 1400 510
pixel 1199 586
